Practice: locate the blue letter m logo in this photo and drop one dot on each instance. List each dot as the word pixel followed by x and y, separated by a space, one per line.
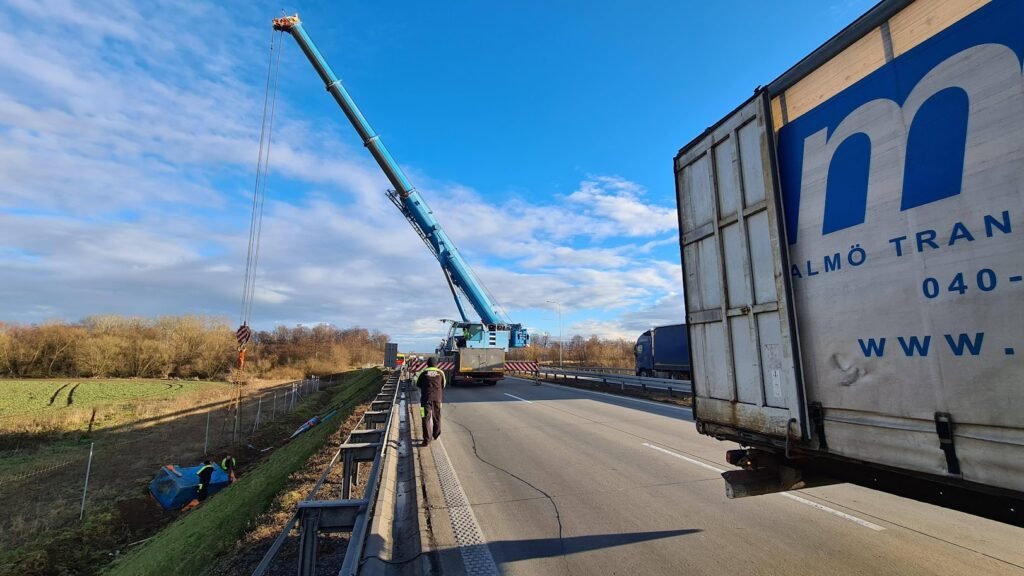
pixel 960 127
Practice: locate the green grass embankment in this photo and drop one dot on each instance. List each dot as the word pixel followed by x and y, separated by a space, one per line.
pixel 192 545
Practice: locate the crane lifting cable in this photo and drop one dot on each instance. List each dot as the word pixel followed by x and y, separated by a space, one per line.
pixel 259 194
pixel 259 197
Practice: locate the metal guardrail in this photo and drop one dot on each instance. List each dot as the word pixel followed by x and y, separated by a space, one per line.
pixel 684 387
pixel 351 515
pixel 593 369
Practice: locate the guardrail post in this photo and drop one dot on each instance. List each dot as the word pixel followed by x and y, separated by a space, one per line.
pixel 346 470
pixel 309 539
pixel 643 386
pixel 669 391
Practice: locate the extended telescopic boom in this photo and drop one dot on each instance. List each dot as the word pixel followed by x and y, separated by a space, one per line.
pixel 412 203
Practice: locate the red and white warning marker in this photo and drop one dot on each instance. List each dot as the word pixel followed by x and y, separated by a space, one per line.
pixel 243 334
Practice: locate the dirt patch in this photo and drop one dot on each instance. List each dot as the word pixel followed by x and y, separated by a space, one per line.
pixel 85 549
pixel 141 515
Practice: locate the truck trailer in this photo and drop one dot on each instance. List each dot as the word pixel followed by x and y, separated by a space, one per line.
pixel 662 352
pixel 853 260
pixel 391 355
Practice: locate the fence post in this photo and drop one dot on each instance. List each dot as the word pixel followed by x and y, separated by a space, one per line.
pixel 273 413
pixel 206 438
pixel 85 489
pixel 259 408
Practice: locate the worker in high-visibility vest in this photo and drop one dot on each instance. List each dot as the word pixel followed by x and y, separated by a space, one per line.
pixel 229 464
pixel 205 474
pixel 431 383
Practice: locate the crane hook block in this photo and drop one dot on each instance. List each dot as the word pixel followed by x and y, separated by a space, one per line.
pixel 286 23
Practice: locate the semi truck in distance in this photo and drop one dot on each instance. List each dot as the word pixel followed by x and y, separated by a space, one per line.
pixel 662 352
pixel 391 356
pixel 853 261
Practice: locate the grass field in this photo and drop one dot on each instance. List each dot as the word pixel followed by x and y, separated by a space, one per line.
pixel 23 397
pixel 54 406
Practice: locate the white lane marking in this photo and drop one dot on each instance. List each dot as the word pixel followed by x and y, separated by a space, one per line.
pixel 518 398
pixel 476 556
pixel 793 497
pixel 616 396
pixel 688 459
pixel 833 511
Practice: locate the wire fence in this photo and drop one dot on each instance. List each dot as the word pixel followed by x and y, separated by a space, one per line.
pixel 13 478
pixel 48 485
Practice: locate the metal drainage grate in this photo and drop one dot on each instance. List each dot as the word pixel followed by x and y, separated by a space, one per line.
pixel 475 554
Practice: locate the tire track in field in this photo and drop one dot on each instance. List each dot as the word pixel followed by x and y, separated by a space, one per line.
pixel 55 393
pixel 71 394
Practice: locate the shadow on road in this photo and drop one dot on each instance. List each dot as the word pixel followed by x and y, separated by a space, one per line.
pixel 516 550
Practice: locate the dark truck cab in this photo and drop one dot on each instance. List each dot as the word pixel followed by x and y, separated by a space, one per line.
pixel 663 352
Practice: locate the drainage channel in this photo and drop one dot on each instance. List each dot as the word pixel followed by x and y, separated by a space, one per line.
pixel 472 546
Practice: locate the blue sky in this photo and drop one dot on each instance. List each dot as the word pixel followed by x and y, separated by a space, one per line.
pixel 542 134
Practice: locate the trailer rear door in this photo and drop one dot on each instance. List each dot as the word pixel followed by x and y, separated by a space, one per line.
pixel 742 330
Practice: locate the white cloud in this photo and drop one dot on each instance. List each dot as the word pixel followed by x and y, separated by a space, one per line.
pixel 619 201
pixel 127 158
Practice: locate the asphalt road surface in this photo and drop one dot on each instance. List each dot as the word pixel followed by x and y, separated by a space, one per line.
pixel 566 481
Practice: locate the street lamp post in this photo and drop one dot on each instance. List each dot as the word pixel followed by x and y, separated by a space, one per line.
pixel 559 304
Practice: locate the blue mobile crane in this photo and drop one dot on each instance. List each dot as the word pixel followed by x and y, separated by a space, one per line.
pixel 478 348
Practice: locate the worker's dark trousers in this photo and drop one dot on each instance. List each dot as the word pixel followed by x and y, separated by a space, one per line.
pixel 431 412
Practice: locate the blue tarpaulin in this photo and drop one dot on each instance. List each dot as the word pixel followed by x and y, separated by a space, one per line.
pixel 175 486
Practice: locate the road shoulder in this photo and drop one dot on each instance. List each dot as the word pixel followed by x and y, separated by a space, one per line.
pixel 437 539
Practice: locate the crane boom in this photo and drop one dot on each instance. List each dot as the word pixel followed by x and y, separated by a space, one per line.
pixel 409 200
